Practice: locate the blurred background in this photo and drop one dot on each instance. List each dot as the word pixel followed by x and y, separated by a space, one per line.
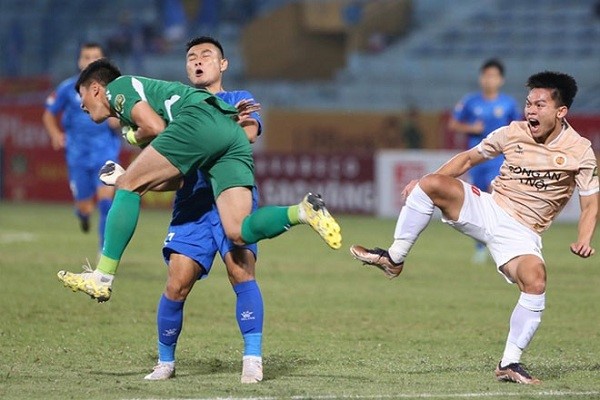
pixel 356 94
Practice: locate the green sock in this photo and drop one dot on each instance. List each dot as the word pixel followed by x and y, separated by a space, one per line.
pixel 120 224
pixel 266 222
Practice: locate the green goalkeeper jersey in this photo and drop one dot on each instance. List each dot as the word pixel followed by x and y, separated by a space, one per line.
pixel 167 99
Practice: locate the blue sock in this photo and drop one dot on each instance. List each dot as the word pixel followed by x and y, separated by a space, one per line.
pixel 169 320
pixel 103 207
pixel 249 314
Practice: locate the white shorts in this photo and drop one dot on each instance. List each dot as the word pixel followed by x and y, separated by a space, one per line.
pixel 483 219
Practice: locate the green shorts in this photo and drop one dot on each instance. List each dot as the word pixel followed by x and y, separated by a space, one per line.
pixel 200 136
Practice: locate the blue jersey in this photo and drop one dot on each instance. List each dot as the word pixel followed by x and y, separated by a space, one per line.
pixel 495 113
pixel 87 144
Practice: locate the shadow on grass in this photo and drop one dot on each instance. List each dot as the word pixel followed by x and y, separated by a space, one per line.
pixel 558 370
pixel 275 366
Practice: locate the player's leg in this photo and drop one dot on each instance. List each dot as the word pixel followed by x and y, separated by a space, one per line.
pixel 433 190
pixel 189 250
pixel 148 170
pixel 183 273
pixel 104 195
pixel 529 273
pixel 240 263
pixel 82 190
pixel 481 176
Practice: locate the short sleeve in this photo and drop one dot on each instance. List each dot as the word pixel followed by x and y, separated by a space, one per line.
pixel 57 100
pixel 493 144
pixel 123 93
pixel 461 110
pixel 587 175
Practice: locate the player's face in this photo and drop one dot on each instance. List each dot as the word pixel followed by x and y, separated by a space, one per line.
pixel 205 65
pixel 491 80
pixel 543 115
pixel 93 102
pixel 89 55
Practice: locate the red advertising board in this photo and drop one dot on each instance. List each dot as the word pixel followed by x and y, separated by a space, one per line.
pixel 346 181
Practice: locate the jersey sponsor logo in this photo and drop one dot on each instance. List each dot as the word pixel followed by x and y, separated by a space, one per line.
pixel 537 179
pixel 475 190
pixel 119 102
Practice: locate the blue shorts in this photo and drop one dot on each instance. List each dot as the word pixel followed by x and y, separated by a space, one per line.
pixel 483 174
pixel 202 238
pixel 84 181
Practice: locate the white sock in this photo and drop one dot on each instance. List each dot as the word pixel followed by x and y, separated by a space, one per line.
pixel 413 218
pixel 524 322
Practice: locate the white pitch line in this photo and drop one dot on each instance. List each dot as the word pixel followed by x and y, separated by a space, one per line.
pixel 15 237
pixel 550 393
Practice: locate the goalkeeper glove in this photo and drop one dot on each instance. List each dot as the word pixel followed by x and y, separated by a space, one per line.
pixel 129 134
pixel 109 173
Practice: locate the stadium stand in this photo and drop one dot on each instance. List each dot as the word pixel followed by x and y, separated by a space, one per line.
pixel 429 67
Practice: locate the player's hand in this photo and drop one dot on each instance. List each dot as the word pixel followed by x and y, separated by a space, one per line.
pixel 58 142
pixel 409 188
pixel 109 173
pixel 245 108
pixel 583 250
pixel 477 127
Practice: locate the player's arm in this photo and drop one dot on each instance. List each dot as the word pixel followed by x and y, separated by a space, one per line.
pixel 455 167
pixel 149 123
pixel 461 163
pixel 586 226
pixel 57 136
pixel 464 128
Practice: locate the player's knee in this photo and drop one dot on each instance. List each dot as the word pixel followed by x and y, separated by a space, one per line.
pixel 537 286
pixel 176 290
pixel 432 184
pixel 440 188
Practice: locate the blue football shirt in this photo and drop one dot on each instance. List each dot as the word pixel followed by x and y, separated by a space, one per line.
pixel 87 143
pixel 494 114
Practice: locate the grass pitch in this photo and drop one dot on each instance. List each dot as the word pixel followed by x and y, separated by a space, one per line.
pixel 333 328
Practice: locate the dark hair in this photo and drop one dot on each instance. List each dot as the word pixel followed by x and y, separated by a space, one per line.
pixel 204 39
pixel 91 45
pixel 101 71
pixel 563 86
pixel 493 63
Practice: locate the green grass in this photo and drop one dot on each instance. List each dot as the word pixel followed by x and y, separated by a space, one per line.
pixel 332 327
